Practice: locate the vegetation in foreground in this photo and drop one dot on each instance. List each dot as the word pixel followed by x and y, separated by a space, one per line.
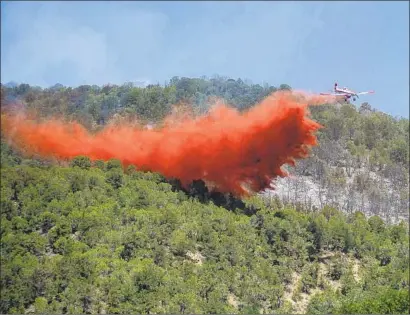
pixel 91 238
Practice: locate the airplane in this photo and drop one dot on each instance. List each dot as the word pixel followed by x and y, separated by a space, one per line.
pixel 345 93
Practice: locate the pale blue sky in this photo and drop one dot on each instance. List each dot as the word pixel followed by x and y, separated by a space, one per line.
pixel 308 45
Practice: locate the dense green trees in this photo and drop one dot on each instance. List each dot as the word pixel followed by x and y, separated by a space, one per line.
pixel 77 240
pixel 91 237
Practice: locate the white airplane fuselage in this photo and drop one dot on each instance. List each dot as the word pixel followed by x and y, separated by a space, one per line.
pixel 345 91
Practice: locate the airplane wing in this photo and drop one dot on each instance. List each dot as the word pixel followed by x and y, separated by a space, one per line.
pixel 368 92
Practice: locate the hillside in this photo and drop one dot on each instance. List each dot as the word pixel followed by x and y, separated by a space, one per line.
pixel 97 240
pixel 90 237
pixel 361 162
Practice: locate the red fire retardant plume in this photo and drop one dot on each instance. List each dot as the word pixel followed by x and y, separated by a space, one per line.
pixel 237 152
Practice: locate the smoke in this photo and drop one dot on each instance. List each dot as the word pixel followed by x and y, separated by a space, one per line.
pixel 234 152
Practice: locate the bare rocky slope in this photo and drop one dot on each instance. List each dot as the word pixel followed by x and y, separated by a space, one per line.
pixel 377 196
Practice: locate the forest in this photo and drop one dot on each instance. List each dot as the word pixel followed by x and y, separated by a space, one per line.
pixel 85 236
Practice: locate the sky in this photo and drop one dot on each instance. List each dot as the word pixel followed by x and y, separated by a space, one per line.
pixel 308 45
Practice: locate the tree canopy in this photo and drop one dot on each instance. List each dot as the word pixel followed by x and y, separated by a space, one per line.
pixel 95 237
